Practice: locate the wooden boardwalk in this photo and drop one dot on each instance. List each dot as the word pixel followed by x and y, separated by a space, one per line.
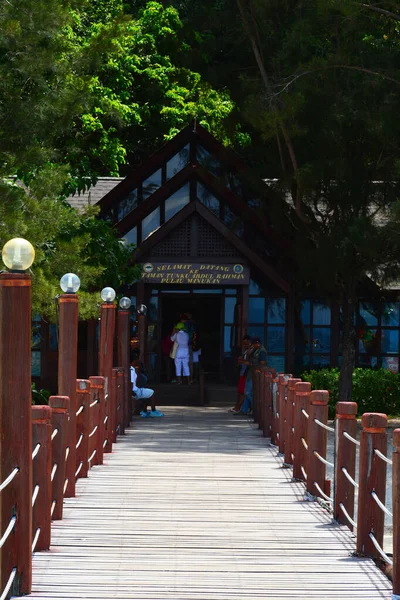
pixel 196 506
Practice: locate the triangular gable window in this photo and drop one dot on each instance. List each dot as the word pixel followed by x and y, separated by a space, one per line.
pixel 131 236
pixel 151 184
pixel 208 199
pixel 127 204
pixel 177 201
pixel 150 223
pixel 177 162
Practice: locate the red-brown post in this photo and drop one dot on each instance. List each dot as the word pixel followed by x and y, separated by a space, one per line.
pixel 346 423
pixel 42 465
pixel 396 511
pixel 267 411
pixel 275 411
pixel 317 441
pixel 113 408
pixel 59 418
pixel 107 331
pixel 67 372
pixel 281 408
pixel 83 427
pixel 93 426
pixel 120 427
pixel 262 399
pixel 97 385
pixel 142 334
pixel 16 428
pixel 372 479
pixel 289 420
pixel 123 360
pixel 301 402
pixel 256 393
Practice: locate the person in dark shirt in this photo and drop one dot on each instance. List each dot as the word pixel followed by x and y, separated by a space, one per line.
pixel 258 356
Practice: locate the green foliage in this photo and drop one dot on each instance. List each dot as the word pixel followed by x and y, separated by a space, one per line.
pixel 40 396
pixel 374 390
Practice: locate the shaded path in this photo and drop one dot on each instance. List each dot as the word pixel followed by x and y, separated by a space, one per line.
pixel 196 506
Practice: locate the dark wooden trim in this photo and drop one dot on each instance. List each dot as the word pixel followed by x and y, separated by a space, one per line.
pixel 146 207
pixel 153 163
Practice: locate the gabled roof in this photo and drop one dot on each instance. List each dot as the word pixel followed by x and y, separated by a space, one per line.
pixel 242 248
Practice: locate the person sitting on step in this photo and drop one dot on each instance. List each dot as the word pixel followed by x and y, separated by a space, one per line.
pixel 139 392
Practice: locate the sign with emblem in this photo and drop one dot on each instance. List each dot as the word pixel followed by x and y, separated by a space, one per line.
pixel 195 273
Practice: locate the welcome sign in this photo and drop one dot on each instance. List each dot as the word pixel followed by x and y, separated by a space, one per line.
pixel 195 274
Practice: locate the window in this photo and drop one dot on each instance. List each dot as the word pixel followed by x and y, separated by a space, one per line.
pixel 177 201
pixel 150 223
pixel 208 161
pixel 131 236
pixel 177 162
pixel 233 221
pixel 151 184
pixel 313 336
pixel 127 204
pixel 208 199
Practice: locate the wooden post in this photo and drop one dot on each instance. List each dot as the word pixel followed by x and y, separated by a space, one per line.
pixel 289 420
pixel 16 429
pixel 82 428
pixel 107 331
pixel 275 412
pixel 59 418
pixel 94 420
pixel 67 373
pixel 372 479
pixel 42 465
pixel 301 402
pixel 282 391
pixel 262 399
pixel 97 383
pixel 256 393
pixel 346 422
pixel 123 360
pixel 121 389
pixel 142 334
pixel 396 512
pixel 113 407
pixel 267 413
pixel 317 440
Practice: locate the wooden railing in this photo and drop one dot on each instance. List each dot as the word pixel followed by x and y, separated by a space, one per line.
pixel 99 419
pixel 295 418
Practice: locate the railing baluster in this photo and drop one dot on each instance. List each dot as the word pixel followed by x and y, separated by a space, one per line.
pixel 97 383
pixel 42 465
pixel 59 419
pixel 82 428
pixel 346 450
pixel 301 401
pixel 289 420
pixel 372 477
pixel 317 441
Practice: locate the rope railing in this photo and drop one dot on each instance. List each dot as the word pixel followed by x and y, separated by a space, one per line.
pixel 296 418
pixel 36 450
pixel 9 479
pixel 383 457
pixel 53 471
pixel 93 431
pixel 346 514
pixel 78 469
pixel 349 478
pixel 79 442
pixel 35 539
pixel 53 435
pixel 351 439
pixel 381 505
pixel 35 494
pixel 9 583
pixel 80 409
pixel 8 531
pixel 380 549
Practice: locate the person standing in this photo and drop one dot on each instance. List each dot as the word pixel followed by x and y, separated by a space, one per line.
pixel 256 356
pixel 191 329
pixel 243 367
pixel 181 337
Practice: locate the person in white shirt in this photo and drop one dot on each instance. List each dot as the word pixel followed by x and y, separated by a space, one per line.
pixel 143 394
pixel 181 337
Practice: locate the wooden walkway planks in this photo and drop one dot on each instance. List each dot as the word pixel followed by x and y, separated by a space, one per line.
pixel 196 506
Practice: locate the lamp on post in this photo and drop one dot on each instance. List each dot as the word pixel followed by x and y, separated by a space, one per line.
pixel 16 413
pixel 67 365
pixel 106 351
pixel 123 355
pixel 142 331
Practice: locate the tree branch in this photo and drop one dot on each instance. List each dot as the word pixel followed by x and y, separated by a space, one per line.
pixel 382 11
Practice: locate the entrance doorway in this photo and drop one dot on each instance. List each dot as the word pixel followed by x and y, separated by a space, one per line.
pixel 207 312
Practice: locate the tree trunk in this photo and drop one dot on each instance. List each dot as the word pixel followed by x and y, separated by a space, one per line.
pixel 348 343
